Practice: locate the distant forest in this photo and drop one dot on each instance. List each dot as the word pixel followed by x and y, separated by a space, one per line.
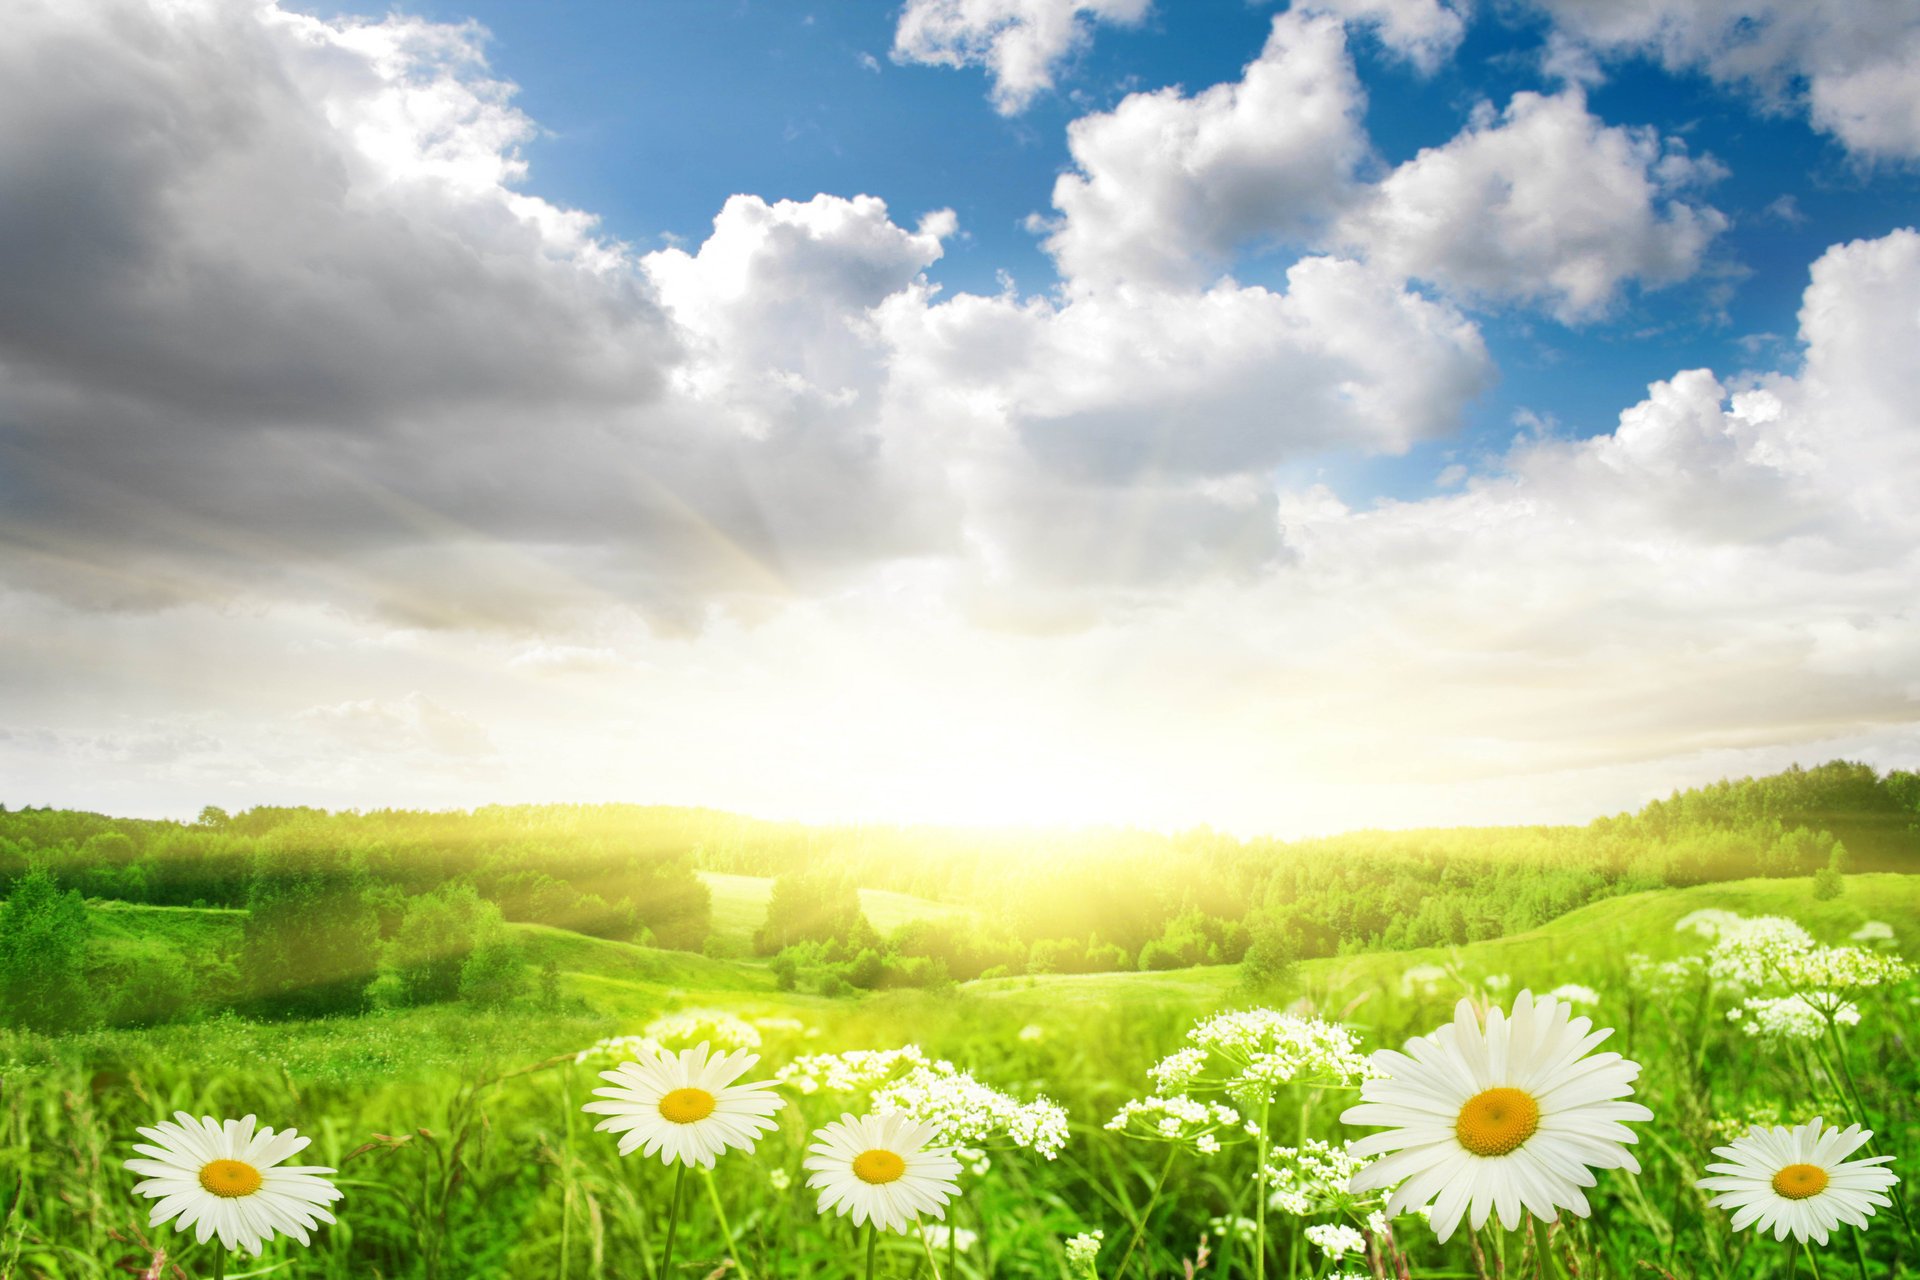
pixel 345 911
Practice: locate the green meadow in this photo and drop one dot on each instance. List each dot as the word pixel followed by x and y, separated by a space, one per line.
pixel 390 998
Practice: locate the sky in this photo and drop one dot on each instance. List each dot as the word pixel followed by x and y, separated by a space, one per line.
pixel 1283 417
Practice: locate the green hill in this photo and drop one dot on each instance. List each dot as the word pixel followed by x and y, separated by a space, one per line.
pixel 1593 940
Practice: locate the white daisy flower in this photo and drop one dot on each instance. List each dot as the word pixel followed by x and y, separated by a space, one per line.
pixel 1493 1120
pixel 223 1178
pixel 685 1107
pixel 1798 1180
pixel 879 1169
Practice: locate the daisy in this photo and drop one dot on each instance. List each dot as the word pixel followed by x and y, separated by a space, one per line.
pixel 222 1178
pixel 1798 1180
pixel 685 1107
pixel 880 1170
pixel 1516 1115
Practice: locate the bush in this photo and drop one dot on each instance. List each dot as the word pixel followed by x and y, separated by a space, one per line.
pixel 1828 884
pixel 43 947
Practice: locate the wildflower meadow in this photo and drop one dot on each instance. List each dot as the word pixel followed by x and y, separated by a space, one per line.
pixel 1706 1080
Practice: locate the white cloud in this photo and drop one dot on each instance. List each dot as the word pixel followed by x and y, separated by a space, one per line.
pixel 1168 186
pixel 1853 67
pixel 1122 439
pixel 412 724
pixel 1544 204
pixel 1021 43
pixel 1424 32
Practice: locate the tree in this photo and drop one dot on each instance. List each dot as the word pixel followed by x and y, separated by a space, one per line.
pixel 813 906
pixel 308 949
pixel 440 936
pixel 43 949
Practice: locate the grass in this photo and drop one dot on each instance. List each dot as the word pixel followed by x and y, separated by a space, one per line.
pixel 503 1177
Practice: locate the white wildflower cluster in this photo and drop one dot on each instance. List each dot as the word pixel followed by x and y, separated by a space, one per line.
pixel 1707 922
pixel 1843 969
pixel 723 1031
pixel 1349 1275
pixel 1496 982
pixel 1178 1118
pixel 1664 979
pixel 1748 952
pixel 620 1049
pixel 855 1071
pixel 1259 1050
pixel 1032 1033
pixel 1574 993
pixel 1231 1228
pixel 939 1237
pixel 1177 1070
pixel 1792 985
pixel 1873 932
pixel 963 1111
pixel 1336 1239
pixel 1738 1124
pixel 1796 1017
pixel 1314 1178
pixel 1082 1250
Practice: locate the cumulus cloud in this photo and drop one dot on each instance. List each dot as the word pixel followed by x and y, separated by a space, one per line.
pixel 1123 438
pixel 1543 203
pixel 274 317
pixel 1167 185
pixel 1021 43
pixel 1424 32
pixel 1719 572
pixel 1853 68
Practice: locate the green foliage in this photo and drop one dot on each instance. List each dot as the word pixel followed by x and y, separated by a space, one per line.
pixel 437 936
pixel 43 944
pixel 814 906
pixel 309 943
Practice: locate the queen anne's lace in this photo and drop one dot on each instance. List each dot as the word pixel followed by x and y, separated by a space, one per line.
pixel 1251 1053
pixel 1314 1177
pixel 1178 1119
pixel 964 1111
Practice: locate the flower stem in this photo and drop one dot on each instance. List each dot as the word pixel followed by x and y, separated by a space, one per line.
pixel 1140 1226
pixel 1859 1254
pixel 220 1265
pixel 1260 1195
pixel 1811 1260
pixel 1860 1114
pixel 673 1220
pixel 928 1249
pixel 726 1232
pixel 872 1239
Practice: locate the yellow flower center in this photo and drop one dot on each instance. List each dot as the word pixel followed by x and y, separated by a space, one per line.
pixel 684 1106
pixel 1496 1122
pixel 1799 1181
pixel 230 1179
pixel 878 1167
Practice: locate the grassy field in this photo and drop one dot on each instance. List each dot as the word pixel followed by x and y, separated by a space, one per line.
pixel 740 906
pixel 502 1176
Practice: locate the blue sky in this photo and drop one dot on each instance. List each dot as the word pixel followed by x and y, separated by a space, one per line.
pixel 652 114
pixel 1287 417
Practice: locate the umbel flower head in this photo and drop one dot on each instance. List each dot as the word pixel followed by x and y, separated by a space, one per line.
pixel 685 1107
pixel 1517 1114
pixel 1799 1180
pixel 879 1169
pixel 963 1110
pixel 223 1178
